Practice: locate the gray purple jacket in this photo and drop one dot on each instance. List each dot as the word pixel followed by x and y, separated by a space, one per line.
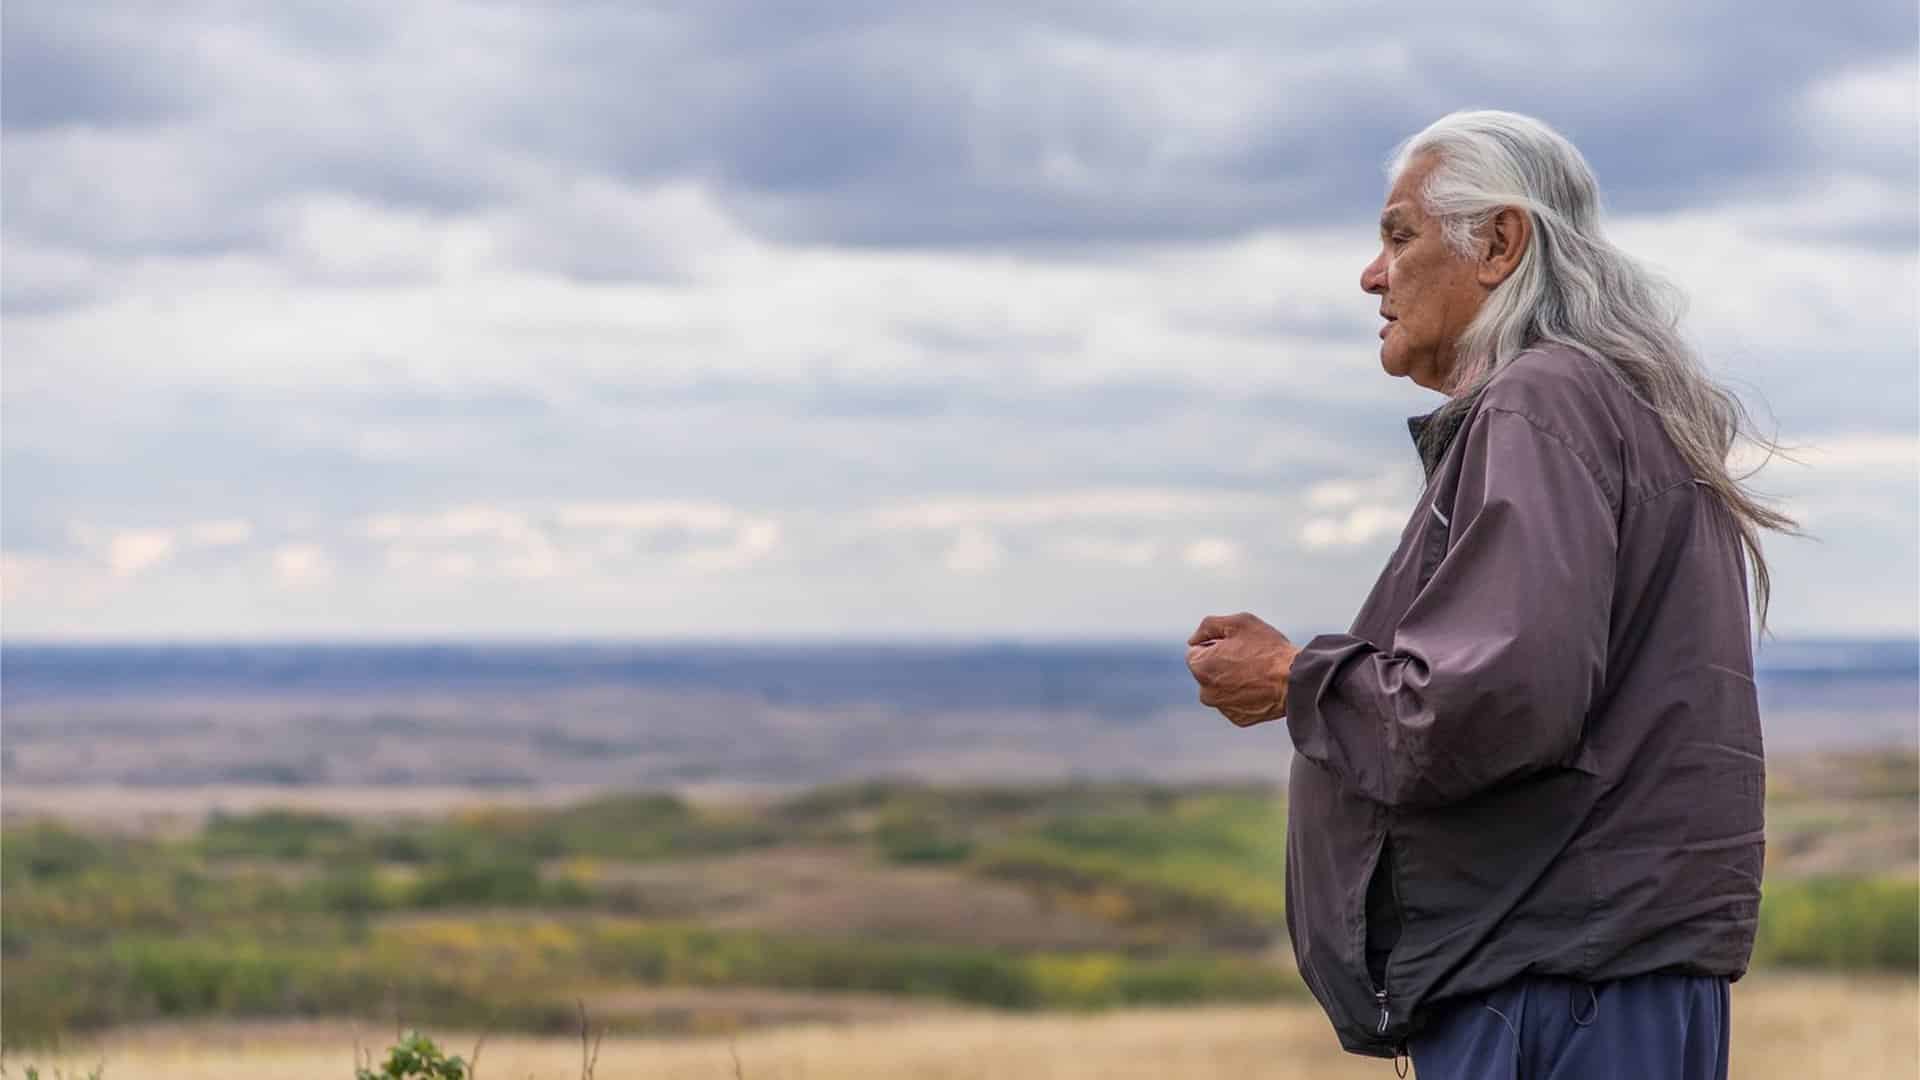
pixel 1538 749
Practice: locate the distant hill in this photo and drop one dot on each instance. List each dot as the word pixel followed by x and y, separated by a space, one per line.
pixel 606 715
pixel 1110 678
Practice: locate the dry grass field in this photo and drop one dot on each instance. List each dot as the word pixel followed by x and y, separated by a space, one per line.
pixel 1786 1026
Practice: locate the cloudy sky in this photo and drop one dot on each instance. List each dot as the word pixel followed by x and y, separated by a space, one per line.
pixel 1035 320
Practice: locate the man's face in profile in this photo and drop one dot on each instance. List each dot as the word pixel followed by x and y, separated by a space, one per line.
pixel 1428 294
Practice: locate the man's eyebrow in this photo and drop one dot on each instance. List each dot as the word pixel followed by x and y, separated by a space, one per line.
pixel 1390 219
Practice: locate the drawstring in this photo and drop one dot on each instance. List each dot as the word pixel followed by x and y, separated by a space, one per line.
pixel 1593 1010
pixel 1401 1061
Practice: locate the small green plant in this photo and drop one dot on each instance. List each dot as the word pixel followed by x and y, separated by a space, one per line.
pixel 415 1057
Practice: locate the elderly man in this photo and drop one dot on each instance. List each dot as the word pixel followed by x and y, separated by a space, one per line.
pixel 1525 833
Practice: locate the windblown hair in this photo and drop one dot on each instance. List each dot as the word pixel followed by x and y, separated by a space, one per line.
pixel 1572 287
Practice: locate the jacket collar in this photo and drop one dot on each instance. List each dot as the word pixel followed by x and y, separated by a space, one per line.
pixel 1431 451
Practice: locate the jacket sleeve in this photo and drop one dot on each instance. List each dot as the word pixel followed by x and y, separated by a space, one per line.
pixel 1501 653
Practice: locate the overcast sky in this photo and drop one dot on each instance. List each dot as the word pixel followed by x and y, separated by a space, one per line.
pixel 1022 320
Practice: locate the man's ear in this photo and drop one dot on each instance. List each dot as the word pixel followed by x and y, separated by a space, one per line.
pixel 1509 232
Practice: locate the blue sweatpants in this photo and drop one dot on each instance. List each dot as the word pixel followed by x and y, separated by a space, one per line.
pixel 1650 1027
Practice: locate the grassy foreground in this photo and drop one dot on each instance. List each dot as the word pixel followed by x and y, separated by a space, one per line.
pixel 1802 1027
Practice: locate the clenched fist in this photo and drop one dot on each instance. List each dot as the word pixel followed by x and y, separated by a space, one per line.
pixel 1242 666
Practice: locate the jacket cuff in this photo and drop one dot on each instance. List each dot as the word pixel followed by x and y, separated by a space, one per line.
pixel 1314 670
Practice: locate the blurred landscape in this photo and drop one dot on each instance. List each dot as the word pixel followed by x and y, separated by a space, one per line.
pixel 109 729
pixel 480 355
pixel 246 859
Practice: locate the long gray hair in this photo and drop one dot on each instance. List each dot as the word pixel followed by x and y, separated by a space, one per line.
pixel 1574 288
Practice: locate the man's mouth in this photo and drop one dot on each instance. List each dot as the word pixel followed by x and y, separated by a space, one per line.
pixel 1388 325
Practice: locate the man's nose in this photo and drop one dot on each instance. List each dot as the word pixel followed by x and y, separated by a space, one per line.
pixel 1373 279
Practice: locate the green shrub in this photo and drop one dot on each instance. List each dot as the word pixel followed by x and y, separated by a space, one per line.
pixel 690 956
pixel 1216 859
pixel 275 834
pixel 504 883
pixel 920 839
pixel 184 978
pixel 354 890
pixel 636 827
pixel 51 992
pixel 45 851
pixel 1849 923
pixel 400 846
pixel 837 800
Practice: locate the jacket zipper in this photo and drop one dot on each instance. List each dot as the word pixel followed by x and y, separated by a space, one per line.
pixel 1400 914
pixel 1380 997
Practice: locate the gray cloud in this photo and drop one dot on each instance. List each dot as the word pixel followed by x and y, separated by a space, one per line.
pixel 66 65
pixel 896 125
pixel 917 129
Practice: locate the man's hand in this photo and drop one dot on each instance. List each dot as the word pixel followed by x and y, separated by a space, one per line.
pixel 1242 666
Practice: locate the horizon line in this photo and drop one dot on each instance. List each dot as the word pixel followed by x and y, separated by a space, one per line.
pixel 920 640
